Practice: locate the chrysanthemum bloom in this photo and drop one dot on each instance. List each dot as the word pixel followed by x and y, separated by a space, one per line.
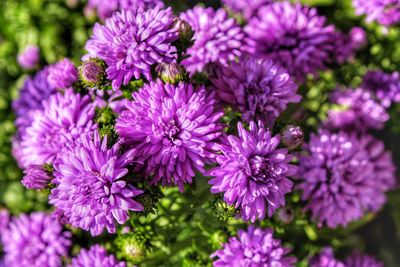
pixel 36 177
pixel 358 259
pixel 95 256
pixel 260 89
pixel 29 58
pixel 35 240
pixel 34 91
pixel 386 86
pixel 246 8
pixel 254 247
pixel 62 74
pixel 356 109
pixel 105 9
pixel 326 258
pixel 90 188
pixel 253 172
pixel 344 176
pixel 131 42
pixel 217 38
pixel 173 129
pixel 293 36
pixel 385 12
pixel 64 117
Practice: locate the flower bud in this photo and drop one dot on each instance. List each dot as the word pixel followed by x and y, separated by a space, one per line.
pixel 292 136
pixel 36 177
pixel 133 245
pixel 286 215
pixel 172 73
pixel 186 34
pixel 223 211
pixel 92 73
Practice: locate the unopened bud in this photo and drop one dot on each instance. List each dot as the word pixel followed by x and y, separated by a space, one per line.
pixel 292 136
pixel 92 73
pixel 286 215
pixel 36 177
pixel 134 245
pixel 223 211
pixel 172 73
pixel 186 34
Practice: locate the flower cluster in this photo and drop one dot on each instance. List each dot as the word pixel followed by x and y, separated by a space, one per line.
pixel 253 172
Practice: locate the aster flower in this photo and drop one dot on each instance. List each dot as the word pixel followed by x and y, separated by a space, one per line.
pixel 131 42
pixel 253 172
pixel 386 86
pixel 254 247
pixel 295 37
pixel 246 8
pixel 105 9
pixel 64 117
pixel 62 74
pixel 356 109
pixel 34 91
pixel 217 38
pixel 36 177
pixel 95 256
pixel 260 89
pixel 35 240
pixel 90 189
pixel 358 259
pixel 173 128
pixel 326 258
pixel 29 57
pixel 385 12
pixel 344 176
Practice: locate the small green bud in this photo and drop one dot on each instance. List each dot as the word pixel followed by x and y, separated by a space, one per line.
pixel 223 211
pixel 172 73
pixel 133 246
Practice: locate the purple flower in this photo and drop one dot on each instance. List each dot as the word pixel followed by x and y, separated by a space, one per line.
pixel 253 172
pixel 344 176
pixel 173 129
pixel 292 136
pixel 90 188
pixel 385 12
pixel 295 37
pixel 358 259
pixel 105 9
pixel 131 42
pixel 35 90
pixel 217 38
pixel 35 240
pixel 4 220
pixel 358 37
pixel 62 74
pixel 36 177
pixel 246 8
pixel 386 86
pixel 326 258
pixel 95 256
pixel 260 89
pixel 64 117
pixel 356 109
pixel 29 58
pixel 254 247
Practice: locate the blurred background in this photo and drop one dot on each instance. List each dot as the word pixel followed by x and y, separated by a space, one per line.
pixel 60 29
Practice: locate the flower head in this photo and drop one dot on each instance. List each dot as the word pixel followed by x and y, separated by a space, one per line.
pixel 294 36
pixel 131 42
pixel 173 129
pixel 29 58
pixel 95 256
pixel 344 176
pixel 326 258
pixel 64 117
pixel 217 38
pixel 385 12
pixel 62 74
pixel 260 89
pixel 36 177
pixel 90 188
pixel 253 172
pixel 92 73
pixel 386 86
pixel 357 109
pixel 246 8
pixel 358 259
pixel 34 240
pixel 254 247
